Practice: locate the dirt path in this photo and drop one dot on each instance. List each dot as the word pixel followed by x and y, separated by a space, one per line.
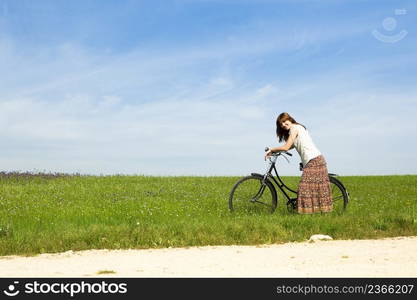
pixel 396 257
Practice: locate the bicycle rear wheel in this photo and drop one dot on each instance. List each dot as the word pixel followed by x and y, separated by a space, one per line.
pixel 339 195
pixel 251 195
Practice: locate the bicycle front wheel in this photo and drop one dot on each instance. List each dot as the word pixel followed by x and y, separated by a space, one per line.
pixel 252 194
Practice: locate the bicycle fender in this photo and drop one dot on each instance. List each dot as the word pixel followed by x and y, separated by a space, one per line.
pixel 260 176
pixel 341 183
pixel 257 175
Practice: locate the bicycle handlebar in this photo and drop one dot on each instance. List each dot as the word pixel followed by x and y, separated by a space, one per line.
pixel 279 152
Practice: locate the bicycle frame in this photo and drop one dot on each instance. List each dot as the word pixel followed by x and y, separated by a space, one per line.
pixel 281 185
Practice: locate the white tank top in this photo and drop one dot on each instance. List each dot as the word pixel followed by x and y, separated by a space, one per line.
pixel 304 144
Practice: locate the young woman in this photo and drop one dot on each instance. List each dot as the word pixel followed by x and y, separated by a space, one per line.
pixel 314 193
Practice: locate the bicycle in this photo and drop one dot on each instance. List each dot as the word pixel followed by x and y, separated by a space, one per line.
pixel 248 194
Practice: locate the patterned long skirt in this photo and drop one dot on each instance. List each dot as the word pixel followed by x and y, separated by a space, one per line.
pixel 314 193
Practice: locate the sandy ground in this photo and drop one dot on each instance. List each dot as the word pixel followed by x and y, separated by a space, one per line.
pixel 396 257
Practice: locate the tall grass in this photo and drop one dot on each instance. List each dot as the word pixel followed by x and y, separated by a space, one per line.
pixel 42 213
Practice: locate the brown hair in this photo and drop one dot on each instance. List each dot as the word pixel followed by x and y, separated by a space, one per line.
pixel 281 132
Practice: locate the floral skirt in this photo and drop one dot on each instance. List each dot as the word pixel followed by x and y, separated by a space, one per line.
pixel 314 193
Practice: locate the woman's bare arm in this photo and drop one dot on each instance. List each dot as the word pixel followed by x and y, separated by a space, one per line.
pixel 287 146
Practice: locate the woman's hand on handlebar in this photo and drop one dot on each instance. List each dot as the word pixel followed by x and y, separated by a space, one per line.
pixel 267 153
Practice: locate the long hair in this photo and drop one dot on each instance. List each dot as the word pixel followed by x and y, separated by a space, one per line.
pixel 282 133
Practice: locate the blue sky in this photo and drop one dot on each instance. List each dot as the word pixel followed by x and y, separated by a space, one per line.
pixel 193 87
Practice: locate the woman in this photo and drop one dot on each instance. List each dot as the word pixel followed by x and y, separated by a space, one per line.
pixel 314 189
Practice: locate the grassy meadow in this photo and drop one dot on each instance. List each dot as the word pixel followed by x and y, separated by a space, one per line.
pixel 56 212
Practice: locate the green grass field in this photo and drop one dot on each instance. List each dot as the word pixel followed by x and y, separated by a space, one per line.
pixel 44 213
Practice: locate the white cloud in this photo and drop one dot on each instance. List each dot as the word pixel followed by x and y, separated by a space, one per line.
pixel 189 111
pixel 266 90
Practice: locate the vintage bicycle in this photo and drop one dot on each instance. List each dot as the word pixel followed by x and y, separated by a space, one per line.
pixel 257 193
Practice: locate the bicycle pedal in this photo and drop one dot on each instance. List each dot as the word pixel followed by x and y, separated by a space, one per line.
pixel 294 202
